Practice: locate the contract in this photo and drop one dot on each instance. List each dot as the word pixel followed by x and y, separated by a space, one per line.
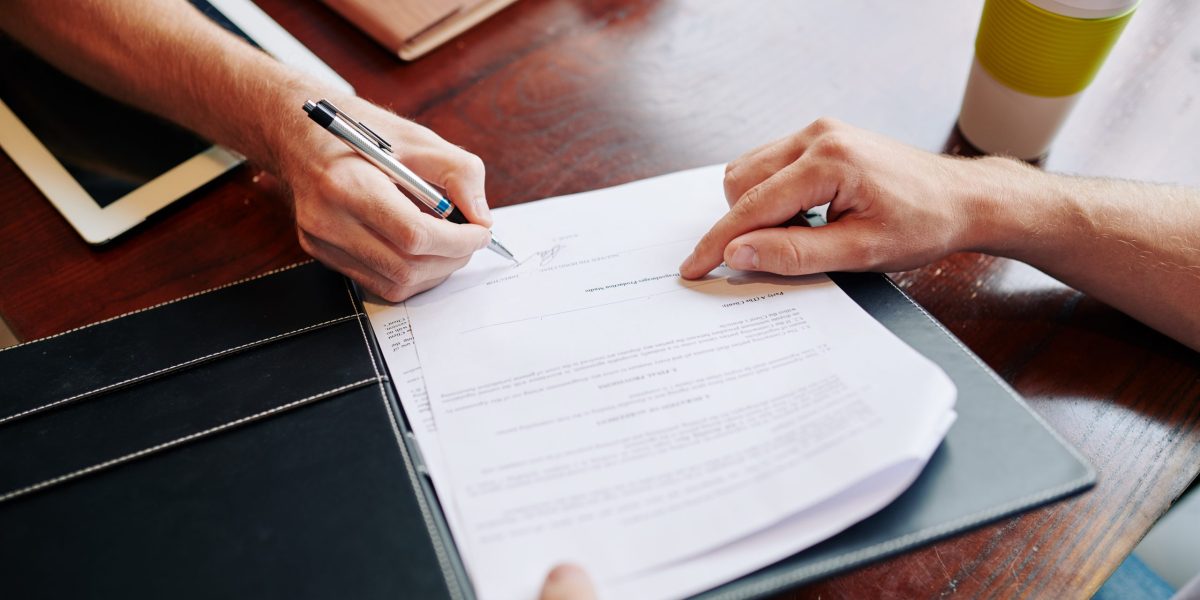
pixel 589 405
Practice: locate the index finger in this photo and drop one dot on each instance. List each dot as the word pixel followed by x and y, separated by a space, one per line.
pixel 453 169
pixel 377 203
pixel 797 187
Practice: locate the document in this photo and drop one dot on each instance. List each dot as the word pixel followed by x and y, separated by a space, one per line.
pixel 589 405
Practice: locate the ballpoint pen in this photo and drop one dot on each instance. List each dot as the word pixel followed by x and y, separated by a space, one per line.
pixel 378 152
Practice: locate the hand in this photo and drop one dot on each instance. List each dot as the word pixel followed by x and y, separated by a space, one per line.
pixel 567 582
pixel 353 218
pixel 892 207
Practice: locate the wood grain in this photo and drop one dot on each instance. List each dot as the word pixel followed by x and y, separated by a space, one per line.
pixel 560 96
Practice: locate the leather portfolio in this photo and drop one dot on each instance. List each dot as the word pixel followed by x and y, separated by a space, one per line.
pixel 246 441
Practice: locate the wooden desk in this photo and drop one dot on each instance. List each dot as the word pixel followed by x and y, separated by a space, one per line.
pixel 560 96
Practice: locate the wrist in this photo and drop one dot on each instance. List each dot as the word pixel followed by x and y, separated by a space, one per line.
pixel 1003 206
pixel 286 136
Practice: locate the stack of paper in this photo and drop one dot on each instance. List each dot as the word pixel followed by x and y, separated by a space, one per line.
pixel 591 406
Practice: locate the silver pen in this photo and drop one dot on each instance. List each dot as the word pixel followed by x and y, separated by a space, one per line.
pixel 379 153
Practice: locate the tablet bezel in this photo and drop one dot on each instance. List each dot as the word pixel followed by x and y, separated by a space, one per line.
pixel 99 224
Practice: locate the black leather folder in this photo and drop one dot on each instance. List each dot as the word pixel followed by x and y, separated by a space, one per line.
pixel 246 442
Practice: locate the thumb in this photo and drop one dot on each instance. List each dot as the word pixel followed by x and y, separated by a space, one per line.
pixel 839 246
pixel 567 582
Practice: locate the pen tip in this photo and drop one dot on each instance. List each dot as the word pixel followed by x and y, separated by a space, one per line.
pixel 499 248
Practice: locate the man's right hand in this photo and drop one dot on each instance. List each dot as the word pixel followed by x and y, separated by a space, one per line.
pixel 353 218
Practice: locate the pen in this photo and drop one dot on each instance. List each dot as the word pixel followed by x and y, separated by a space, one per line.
pixel 379 153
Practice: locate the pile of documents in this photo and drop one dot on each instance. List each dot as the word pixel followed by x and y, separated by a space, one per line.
pixel 589 405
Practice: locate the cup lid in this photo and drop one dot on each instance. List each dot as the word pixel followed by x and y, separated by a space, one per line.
pixel 1086 9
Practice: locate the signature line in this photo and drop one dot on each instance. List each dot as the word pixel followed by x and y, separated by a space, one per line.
pixel 555 314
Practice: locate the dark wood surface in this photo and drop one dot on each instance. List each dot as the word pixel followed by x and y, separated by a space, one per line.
pixel 559 96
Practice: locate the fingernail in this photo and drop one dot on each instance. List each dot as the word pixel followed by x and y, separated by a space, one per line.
pixel 481 206
pixel 744 258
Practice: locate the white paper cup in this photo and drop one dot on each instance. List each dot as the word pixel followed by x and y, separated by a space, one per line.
pixel 1033 59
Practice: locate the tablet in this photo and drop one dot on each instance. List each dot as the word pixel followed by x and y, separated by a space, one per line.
pixel 60 133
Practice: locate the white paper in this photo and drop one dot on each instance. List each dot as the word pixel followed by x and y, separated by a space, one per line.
pixel 799 531
pixel 592 406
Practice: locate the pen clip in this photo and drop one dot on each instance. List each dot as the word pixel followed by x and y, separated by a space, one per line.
pixel 358 125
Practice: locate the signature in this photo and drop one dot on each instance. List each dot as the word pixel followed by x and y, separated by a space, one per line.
pixel 545 257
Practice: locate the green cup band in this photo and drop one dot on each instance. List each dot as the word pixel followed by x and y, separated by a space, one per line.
pixel 1041 53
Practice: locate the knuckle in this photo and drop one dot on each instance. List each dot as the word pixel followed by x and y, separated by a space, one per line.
pixel 377 210
pixel 474 164
pixel 400 272
pixel 732 183
pixel 834 145
pixel 791 257
pixel 784 257
pixel 824 125
pixel 750 198
pixel 395 292
pixel 463 165
pixel 731 170
pixel 412 238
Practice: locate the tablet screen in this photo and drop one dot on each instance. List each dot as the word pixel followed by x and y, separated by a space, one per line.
pixel 109 147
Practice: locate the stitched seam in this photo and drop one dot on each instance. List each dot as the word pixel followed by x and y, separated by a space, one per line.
pixel 439 549
pixel 134 312
pixel 184 364
pixel 778 582
pixel 182 440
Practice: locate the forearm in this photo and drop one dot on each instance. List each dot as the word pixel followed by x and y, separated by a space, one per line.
pixel 165 57
pixel 1133 246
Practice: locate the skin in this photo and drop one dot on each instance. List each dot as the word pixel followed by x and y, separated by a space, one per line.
pixel 567 582
pixel 348 214
pixel 1135 246
pixel 165 57
pixel 892 208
